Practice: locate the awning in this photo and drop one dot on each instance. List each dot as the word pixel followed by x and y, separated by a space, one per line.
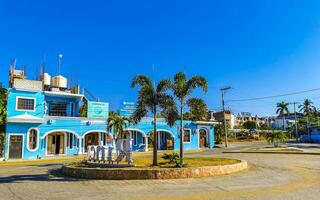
pixel 25 118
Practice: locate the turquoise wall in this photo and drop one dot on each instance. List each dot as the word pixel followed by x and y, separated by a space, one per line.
pixel 13 94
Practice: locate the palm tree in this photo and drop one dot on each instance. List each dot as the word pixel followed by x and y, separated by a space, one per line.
pixel 198 109
pixel 152 98
pixel 182 88
pixel 118 124
pixel 275 137
pixel 307 108
pixel 282 109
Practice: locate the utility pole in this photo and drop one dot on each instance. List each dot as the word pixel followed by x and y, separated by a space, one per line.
pixel 224 116
pixel 295 119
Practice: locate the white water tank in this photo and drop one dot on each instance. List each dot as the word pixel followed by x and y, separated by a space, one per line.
pixel 59 81
pixel 46 79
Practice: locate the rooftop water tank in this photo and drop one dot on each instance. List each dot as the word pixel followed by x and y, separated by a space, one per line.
pixel 59 81
pixel 46 79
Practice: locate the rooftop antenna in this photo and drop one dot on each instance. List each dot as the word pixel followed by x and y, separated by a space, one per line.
pixel 60 58
pixel 153 74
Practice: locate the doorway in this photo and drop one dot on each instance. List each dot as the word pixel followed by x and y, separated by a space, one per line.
pixel 15 146
pixel 55 144
pixel 91 139
pixel 203 138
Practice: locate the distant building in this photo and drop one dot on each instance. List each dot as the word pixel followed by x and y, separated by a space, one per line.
pixel 243 117
pixel 219 116
pixel 289 120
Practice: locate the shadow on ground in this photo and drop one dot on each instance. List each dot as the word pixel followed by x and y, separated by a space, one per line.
pixel 52 176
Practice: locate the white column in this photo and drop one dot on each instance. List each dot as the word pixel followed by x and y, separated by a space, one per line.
pixel 80 151
pixel 146 143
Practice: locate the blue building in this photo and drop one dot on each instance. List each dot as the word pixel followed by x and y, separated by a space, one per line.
pixel 43 120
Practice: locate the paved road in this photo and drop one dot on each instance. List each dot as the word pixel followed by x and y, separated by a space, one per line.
pixel 269 177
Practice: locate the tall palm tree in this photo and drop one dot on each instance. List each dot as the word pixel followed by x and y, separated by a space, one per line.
pixel 307 108
pixel 282 109
pixel 151 98
pixel 182 89
pixel 118 124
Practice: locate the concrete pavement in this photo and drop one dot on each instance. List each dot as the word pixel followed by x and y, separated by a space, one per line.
pixel 268 177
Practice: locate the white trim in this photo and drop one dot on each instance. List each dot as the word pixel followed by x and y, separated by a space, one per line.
pixel 187 129
pixel 164 130
pixel 60 130
pixel 37 142
pixel 8 148
pixel 96 131
pixel 63 94
pixel 21 97
pixel 138 130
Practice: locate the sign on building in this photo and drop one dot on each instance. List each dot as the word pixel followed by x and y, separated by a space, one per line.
pixel 127 109
pixel 98 110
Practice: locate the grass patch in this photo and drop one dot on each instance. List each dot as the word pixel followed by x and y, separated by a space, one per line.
pixel 146 162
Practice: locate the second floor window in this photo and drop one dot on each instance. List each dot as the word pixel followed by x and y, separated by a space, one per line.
pixel 57 109
pixel 27 104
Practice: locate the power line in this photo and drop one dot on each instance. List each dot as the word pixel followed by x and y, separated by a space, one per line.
pixel 274 96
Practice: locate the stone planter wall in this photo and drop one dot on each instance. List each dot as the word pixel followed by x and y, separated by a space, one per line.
pixel 165 173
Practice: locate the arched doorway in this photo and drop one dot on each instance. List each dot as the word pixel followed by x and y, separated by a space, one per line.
pixel 139 139
pixel 97 138
pixel 165 140
pixel 91 139
pixel 203 138
pixel 56 143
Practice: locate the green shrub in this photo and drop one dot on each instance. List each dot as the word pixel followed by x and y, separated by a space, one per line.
pixel 174 159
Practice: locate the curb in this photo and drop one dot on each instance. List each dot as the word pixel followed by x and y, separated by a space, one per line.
pixel 274 152
pixel 168 173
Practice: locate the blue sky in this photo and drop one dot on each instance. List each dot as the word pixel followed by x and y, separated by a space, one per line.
pixel 259 48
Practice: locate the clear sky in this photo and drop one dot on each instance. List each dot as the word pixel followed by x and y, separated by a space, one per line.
pixel 259 48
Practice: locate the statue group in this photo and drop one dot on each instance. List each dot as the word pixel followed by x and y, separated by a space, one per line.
pixel 121 151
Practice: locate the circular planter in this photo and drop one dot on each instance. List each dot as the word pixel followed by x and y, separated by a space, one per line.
pixel 145 173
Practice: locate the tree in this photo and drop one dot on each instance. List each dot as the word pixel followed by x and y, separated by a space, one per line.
pixel 198 109
pixel 219 131
pixel 152 98
pixel 275 137
pixel 3 114
pixel 308 109
pixel 265 127
pixel 282 109
pixel 118 124
pixel 249 125
pixel 182 88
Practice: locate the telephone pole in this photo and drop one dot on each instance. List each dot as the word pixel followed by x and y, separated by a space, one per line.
pixel 295 119
pixel 223 90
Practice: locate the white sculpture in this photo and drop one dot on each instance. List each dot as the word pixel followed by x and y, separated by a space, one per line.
pixel 123 150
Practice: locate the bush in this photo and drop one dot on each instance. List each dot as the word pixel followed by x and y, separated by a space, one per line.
pixel 174 159
pixel 276 136
pixel 171 157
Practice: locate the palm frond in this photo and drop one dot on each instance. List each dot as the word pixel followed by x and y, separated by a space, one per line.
pixel 163 85
pixel 197 81
pixel 140 80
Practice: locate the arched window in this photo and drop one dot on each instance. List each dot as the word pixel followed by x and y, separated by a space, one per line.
pixel 32 139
